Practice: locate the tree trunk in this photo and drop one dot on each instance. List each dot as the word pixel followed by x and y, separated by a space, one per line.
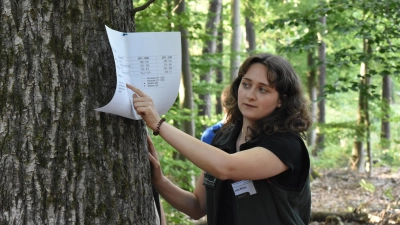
pixel 386 101
pixel 362 131
pixel 61 161
pixel 320 143
pixel 250 33
pixel 312 89
pixel 368 50
pixel 236 38
pixel 219 74
pixel 188 125
pixel 209 49
pixel 358 152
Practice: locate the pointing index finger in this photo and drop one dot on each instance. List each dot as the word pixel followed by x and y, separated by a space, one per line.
pixel 136 90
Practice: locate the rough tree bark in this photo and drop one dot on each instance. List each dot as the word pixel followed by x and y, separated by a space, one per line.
pixel 61 162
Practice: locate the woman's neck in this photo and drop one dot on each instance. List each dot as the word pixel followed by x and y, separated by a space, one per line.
pixel 244 133
pixel 240 140
pixel 245 126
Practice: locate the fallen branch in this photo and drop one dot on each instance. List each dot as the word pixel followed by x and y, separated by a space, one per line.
pixel 344 216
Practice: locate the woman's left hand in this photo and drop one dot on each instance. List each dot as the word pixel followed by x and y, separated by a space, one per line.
pixel 145 107
pixel 156 172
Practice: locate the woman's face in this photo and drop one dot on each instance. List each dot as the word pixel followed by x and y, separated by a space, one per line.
pixel 256 99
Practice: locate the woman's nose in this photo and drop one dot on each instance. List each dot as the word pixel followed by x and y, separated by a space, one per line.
pixel 251 94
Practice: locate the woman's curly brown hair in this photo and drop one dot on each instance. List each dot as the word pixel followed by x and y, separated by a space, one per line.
pixel 292 116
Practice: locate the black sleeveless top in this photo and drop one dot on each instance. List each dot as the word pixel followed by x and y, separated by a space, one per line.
pixel 282 199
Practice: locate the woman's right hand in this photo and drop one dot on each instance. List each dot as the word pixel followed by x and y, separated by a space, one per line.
pixel 145 107
pixel 156 172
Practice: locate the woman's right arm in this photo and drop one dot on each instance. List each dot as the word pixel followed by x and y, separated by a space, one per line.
pixel 192 204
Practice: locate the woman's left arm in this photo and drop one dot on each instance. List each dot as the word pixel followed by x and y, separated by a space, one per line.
pixel 253 164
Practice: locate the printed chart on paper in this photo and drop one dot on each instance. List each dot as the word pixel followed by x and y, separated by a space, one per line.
pixel 150 61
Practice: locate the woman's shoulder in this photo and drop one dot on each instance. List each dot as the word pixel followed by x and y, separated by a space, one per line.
pixel 282 137
pixel 225 134
pixel 285 144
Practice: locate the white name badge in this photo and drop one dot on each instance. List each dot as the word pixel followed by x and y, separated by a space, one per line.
pixel 244 188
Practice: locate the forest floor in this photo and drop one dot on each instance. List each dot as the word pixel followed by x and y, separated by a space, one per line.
pixel 356 198
pixel 344 197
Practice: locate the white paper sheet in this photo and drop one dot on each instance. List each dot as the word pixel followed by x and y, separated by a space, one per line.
pixel 150 61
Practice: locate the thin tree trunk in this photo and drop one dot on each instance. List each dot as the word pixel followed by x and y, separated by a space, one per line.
pixel 209 50
pixel 358 152
pixel 368 134
pixel 362 132
pixel 61 162
pixel 368 50
pixel 312 89
pixel 320 143
pixel 386 101
pixel 188 125
pixel 219 73
pixel 236 38
pixel 250 32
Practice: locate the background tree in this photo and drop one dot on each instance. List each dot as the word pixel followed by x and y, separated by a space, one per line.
pixel 249 24
pixel 219 71
pixel 312 91
pixel 235 39
pixel 371 26
pixel 362 132
pixel 386 101
pixel 188 124
pixel 209 49
pixel 61 161
pixel 320 142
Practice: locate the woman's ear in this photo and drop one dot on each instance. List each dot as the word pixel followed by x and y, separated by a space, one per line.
pixel 280 102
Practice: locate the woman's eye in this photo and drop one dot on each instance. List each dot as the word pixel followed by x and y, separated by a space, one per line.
pixel 245 84
pixel 263 90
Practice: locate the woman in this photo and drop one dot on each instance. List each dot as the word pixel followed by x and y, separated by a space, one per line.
pixel 261 174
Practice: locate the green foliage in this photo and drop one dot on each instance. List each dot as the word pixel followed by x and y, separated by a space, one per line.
pixel 332 157
pixel 293 29
pixel 367 186
pixel 180 172
pixel 389 194
pixel 390 156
